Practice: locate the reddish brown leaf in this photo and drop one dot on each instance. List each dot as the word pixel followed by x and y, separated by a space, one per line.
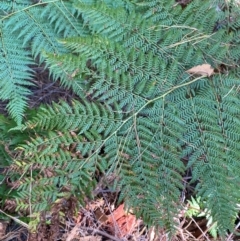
pixel 125 221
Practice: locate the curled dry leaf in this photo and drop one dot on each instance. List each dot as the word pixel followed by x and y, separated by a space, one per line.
pixel 10 205
pixel 204 70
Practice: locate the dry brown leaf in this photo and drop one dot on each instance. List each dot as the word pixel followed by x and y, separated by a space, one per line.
pixel 204 70
pixel 124 220
pixel 100 216
pixel 74 234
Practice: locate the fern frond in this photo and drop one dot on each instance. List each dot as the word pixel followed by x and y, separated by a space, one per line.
pixel 139 111
pixel 31 28
pixel 83 117
pixel 58 166
pixel 64 18
pixel 211 147
pixel 10 7
pixel 144 76
pixel 15 74
pixel 100 19
pixel 30 25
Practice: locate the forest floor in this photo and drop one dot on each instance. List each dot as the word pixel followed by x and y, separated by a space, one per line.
pixel 102 219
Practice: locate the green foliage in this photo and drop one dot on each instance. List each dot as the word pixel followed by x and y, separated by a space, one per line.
pixel 139 112
pixel 27 30
pixel 196 209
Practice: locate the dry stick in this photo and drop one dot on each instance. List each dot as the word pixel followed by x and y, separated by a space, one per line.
pixel 15 219
pixel 116 227
pixel 74 232
pixel 102 233
pixel 95 231
pixel 189 235
pixel 9 236
pixel 203 233
pixel 231 235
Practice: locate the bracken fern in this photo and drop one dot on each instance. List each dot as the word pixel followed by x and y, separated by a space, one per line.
pixel 139 111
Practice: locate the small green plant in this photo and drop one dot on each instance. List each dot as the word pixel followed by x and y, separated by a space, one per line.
pixel 196 209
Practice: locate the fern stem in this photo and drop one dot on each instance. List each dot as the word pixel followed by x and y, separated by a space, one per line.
pixel 26 8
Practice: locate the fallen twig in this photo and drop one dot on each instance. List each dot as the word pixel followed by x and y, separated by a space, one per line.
pixel 74 232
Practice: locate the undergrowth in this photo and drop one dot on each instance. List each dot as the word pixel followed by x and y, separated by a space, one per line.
pixel 139 115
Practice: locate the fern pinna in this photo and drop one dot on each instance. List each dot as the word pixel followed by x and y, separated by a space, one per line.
pixel 139 112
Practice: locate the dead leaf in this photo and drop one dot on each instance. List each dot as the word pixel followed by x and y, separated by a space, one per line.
pixel 74 73
pixel 100 216
pixel 118 213
pixel 126 224
pixel 74 232
pixel 73 235
pixel 125 221
pixel 204 70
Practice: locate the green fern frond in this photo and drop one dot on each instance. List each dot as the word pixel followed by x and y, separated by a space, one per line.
pixel 58 166
pixel 64 18
pixel 211 148
pixel 83 117
pixel 100 19
pixel 139 111
pixel 10 7
pixel 162 107
pixel 15 74
pixel 72 144
pixel 29 27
